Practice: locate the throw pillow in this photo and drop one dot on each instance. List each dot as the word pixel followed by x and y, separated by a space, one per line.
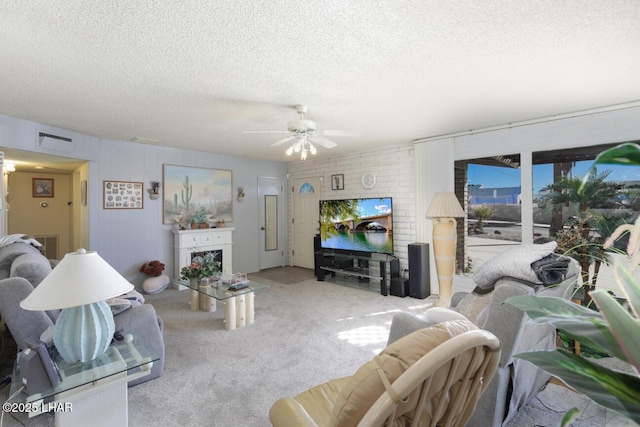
pixel 365 386
pixel 515 262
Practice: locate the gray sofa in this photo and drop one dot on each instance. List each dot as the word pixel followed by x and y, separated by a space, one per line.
pixel 22 268
pixel 516 381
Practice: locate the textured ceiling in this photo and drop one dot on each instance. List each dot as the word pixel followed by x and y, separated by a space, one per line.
pixel 196 74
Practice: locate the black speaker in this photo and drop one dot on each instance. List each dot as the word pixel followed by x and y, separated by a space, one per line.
pixel 399 287
pixel 419 282
pixel 317 256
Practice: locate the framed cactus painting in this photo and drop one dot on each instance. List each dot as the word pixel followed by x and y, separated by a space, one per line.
pixel 193 195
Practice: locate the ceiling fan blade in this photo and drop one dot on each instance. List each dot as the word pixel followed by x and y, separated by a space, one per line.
pixel 322 141
pixel 265 131
pixel 339 132
pixel 282 141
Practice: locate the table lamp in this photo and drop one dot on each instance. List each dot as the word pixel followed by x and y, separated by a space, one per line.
pixel 79 285
pixel 444 208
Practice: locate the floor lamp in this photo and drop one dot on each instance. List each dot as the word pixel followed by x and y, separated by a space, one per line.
pixel 444 208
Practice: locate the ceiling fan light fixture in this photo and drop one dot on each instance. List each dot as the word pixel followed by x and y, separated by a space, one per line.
pixel 302 131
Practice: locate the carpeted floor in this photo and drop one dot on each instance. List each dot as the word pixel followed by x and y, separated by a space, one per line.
pixel 304 333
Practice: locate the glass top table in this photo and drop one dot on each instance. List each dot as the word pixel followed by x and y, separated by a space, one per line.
pixel 121 356
pixel 238 304
pixel 219 290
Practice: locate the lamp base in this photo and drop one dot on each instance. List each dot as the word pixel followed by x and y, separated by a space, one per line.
pixel 83 333
pixel 444 251
pixel 443 302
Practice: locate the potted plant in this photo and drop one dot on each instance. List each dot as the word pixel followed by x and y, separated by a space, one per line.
pixel 202 265
pixel 201 219
pixel 608 330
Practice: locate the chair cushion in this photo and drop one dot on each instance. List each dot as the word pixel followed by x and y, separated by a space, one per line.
pixel 365 386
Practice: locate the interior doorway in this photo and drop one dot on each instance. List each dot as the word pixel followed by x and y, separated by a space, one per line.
pixel 42 196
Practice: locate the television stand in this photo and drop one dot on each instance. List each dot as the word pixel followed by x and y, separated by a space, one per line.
pixel 358 265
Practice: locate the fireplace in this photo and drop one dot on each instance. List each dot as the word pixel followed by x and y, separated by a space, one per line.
pixel 217 254
pixel 188 244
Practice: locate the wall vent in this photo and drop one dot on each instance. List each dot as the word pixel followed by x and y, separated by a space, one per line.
pixel 52 142
pixel 49 245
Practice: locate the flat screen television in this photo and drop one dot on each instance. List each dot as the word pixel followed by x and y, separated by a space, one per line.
pixel 357 225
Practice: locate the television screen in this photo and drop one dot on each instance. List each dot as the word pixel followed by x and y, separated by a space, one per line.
pixel 363 225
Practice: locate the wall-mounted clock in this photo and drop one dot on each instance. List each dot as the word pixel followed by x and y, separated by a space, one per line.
pixel 368 180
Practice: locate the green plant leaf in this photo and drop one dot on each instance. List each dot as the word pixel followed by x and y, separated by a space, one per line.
pixel 590 332
pixel 580 323
pixel 630 288
pixel 614 390
pixel 623 154
pixel 539 306
pixel 622 326
pixel 570 417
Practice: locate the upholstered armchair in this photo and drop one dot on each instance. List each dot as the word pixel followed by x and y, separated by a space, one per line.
pixel 516 381
pixel 431 376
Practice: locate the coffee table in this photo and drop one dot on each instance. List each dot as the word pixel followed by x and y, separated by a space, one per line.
pixel 238 305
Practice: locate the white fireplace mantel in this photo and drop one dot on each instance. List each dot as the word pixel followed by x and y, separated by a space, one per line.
pixel 186 242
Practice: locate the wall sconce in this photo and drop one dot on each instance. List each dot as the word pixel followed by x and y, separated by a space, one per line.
pixel 240 197
pixel 154 190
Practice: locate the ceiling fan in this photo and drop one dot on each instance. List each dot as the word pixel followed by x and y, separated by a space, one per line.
pixel 304 133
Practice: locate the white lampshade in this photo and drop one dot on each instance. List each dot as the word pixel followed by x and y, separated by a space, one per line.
pixel 80 278
pixel 79 285
pixel 445 204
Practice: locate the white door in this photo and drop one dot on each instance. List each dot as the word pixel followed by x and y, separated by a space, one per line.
pixel 270 221
pixel 307 193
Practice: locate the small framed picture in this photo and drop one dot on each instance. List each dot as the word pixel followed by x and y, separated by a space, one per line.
pixel 42 187
pixel 337 182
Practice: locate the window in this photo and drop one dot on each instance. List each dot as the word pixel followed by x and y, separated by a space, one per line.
pixel 491 190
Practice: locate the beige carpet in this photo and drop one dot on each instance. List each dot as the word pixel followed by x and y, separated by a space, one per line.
pixel 304 334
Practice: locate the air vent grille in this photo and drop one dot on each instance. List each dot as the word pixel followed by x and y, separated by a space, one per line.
pixel 49 245
pixel 48 135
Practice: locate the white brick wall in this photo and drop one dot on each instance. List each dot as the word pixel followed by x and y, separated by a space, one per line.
pixel 394 168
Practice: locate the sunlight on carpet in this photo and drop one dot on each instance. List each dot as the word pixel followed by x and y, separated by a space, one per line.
pixel 365 335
